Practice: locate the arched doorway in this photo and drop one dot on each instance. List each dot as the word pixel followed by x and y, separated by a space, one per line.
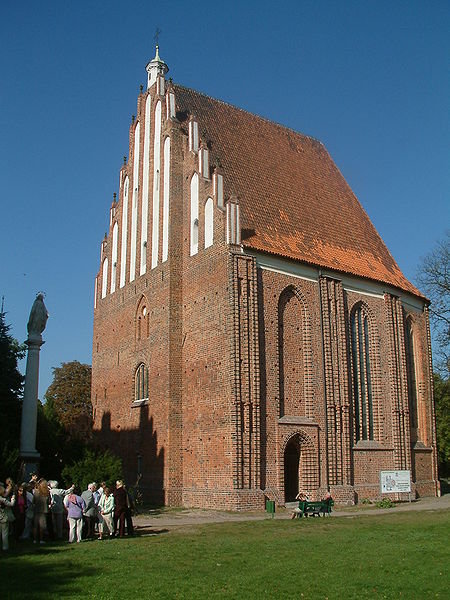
pixel 291 469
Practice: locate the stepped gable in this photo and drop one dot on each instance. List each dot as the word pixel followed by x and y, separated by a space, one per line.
pixel 294 201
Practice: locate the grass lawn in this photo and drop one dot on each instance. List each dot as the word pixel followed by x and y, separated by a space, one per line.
pixel 403 555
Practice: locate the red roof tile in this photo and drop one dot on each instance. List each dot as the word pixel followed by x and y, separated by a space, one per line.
pixel 294 201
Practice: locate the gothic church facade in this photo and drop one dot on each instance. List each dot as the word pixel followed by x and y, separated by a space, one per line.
pixel 253 336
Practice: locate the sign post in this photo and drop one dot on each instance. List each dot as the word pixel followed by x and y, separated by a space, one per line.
pixel 395 482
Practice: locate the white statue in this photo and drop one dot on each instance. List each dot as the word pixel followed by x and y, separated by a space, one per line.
pixel 38 316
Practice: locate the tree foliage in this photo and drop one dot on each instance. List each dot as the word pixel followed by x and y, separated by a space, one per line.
pixel 68 399
pixel 93 466
pixel 442 408
pixel 433 278
pixel 11 388
pixel 52 442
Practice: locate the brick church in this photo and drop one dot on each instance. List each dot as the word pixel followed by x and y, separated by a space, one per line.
pixel 253 336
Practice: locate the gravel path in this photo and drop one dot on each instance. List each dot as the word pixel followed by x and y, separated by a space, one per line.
pixel 169 518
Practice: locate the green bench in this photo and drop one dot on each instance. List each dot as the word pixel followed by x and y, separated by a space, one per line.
pixel 314 509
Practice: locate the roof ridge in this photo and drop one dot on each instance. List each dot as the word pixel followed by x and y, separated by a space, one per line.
pixel 243 110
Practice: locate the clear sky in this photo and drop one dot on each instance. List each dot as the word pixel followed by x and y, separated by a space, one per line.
pixel 369 78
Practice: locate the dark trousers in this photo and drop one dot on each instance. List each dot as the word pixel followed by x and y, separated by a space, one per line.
pixel 119 517
pixel 19 525
pixel 88 527
pixel 129 521
pixel 51 533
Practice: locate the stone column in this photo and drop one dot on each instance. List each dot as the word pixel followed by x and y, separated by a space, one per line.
pixel 36 325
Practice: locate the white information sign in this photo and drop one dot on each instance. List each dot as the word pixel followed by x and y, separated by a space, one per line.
pixel 395 481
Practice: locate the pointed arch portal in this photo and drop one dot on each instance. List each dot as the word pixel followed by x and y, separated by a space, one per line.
pixel 291 469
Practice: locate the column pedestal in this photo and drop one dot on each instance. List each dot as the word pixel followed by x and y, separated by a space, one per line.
pixel 29 455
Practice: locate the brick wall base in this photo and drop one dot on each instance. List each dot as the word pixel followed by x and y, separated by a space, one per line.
pixel 428 488
pixel 343 494
pixel 237 500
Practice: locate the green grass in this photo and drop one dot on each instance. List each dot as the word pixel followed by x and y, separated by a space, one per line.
pixel 404 555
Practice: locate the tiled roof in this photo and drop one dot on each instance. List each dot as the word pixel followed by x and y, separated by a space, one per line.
pixel 294 201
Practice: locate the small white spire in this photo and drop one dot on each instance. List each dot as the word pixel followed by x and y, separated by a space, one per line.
pixel 154 68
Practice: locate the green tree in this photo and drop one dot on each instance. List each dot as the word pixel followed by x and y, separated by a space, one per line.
pixel 68 399
pixel 93 466
pixel 434 280
pixel 442 408
pixel 11 388
pixel 55 448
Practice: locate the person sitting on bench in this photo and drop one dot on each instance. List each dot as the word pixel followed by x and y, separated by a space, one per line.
pixel 301 497
pixel 327 501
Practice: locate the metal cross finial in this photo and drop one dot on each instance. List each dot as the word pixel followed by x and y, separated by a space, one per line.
pixel 156 36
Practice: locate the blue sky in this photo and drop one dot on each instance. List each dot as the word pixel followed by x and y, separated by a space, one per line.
pixel 368 78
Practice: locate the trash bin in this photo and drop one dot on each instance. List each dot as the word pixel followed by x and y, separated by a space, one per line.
pixel 270 507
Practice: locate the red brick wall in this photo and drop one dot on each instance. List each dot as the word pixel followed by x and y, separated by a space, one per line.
pixel 310 415
pixel 224 402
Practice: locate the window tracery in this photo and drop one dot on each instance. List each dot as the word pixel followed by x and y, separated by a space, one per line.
pixel 362 374
pixel 141 383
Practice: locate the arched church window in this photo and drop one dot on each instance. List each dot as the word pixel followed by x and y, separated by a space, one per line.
pixel 361 374
pixel 141 383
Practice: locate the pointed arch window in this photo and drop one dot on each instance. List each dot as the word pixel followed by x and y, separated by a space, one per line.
pixel 141 383
pixel 361 374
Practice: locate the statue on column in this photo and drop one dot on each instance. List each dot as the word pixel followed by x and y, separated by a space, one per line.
pixel 38 317
pixel 36 325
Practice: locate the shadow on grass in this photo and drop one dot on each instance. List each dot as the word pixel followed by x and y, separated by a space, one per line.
pixel 42 572
pixel 147 530
pixel 59 568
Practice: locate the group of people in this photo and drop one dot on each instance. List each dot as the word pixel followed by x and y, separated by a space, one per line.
pixel 36 510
